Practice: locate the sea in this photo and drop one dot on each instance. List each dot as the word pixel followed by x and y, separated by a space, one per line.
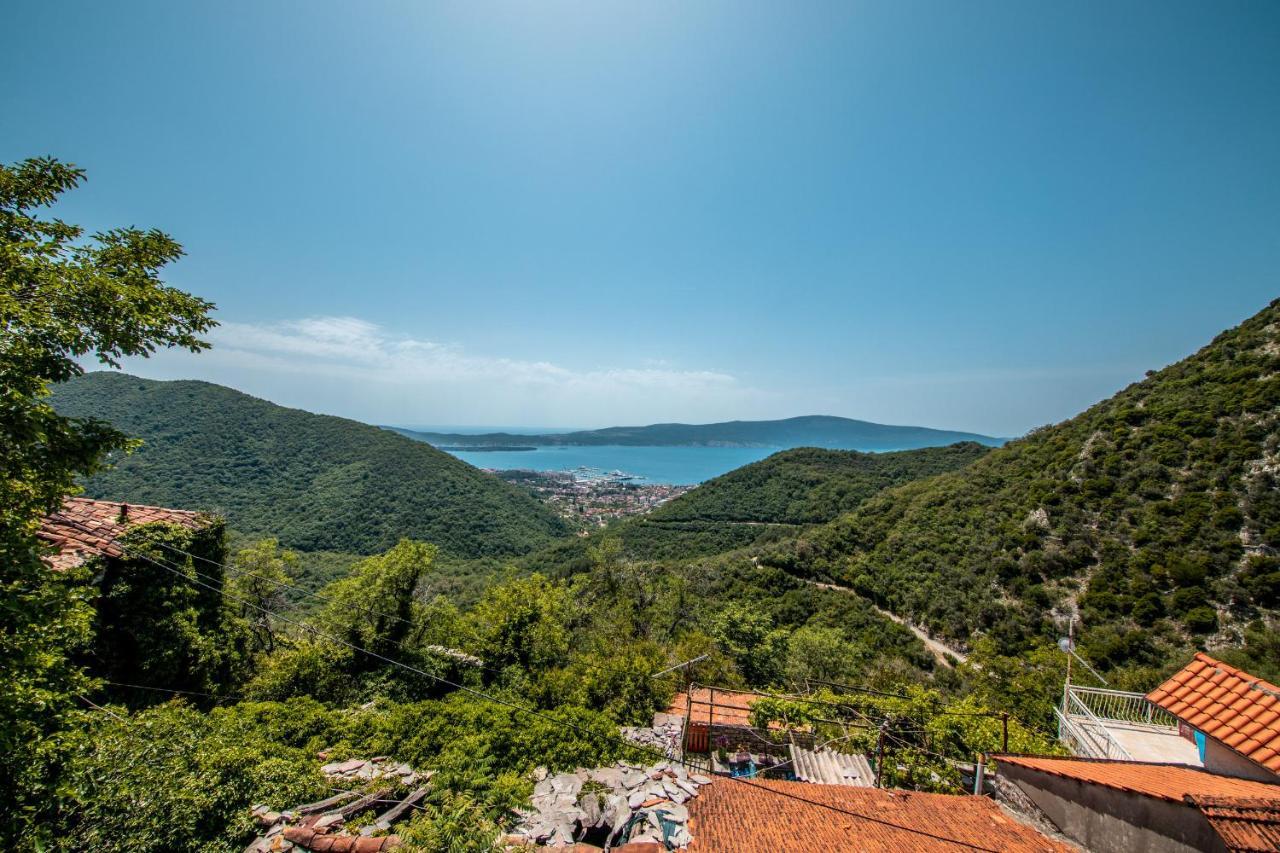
pixel 679 466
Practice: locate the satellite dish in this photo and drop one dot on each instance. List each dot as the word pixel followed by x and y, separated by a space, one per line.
pixel 1066 644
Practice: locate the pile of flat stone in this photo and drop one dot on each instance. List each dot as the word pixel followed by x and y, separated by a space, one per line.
pixel 666 734
pixel 322 825
pixel 634 802
pixel 382 767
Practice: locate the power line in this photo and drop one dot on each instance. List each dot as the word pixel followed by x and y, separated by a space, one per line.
pixel 454 653
pixel 175 754
pixel 172 690
pixel 617 739
pixel 93 704
pixel 939 711
pixel 474 661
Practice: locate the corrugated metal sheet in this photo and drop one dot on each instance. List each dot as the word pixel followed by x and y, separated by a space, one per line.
pixel 828 767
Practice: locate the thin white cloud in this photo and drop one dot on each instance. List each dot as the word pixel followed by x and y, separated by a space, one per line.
pixel 349 366
pixel 355 347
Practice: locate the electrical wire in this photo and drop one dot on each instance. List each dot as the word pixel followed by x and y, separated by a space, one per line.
pixel 172 690
pixel 534 711
pixel 175 754
pixel 107 711
pixel 236 572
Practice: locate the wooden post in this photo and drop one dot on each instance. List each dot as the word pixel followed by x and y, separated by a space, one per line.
pixel 880 753
pixel 1004 731
pixel 688 716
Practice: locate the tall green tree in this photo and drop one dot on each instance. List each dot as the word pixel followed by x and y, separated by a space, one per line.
pixel 262 572
pixel 65 297
pixel 375 607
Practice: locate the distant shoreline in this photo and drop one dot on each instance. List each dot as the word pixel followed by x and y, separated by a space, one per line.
pixel 479 448
pixel 806 431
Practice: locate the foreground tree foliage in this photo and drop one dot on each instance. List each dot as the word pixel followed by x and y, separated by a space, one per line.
pixel 161 620
pixel 64 297
pixel 175 778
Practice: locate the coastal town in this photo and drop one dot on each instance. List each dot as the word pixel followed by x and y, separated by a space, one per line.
pixel 590 498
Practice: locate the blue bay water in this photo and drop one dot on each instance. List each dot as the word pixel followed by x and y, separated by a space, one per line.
pixel 675 465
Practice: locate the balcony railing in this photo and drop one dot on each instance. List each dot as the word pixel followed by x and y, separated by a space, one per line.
pixel 1118 706
pixel 1085 733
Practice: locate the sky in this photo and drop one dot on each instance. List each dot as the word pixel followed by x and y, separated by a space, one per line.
pixel 981 216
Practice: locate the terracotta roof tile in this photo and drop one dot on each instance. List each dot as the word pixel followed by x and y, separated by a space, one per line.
pixel 1225 706
pixel 86 528
pixel 1243 823
pixel 729 707
pixel 1163 781
pixel 309 839
pixel 751 817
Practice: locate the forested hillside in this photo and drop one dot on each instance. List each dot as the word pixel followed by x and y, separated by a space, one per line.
pixel 315 482
pixel 766 500
pixel 809 485
pixel 1156 512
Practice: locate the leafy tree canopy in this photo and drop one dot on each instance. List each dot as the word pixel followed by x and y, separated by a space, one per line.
pixel 64 297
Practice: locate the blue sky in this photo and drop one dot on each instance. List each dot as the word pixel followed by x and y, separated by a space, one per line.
pixel 980 216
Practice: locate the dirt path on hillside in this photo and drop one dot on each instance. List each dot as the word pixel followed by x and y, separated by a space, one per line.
pixel 938 649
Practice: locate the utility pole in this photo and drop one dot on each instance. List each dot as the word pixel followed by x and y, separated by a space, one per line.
pixel 880 752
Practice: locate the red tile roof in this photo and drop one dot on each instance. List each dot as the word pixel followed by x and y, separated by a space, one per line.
pixel 1228 705
pixel 1163 781
pixel 308 839
pixel 729 707
pixel 1243 824
pixel 768 816
pixel 86 528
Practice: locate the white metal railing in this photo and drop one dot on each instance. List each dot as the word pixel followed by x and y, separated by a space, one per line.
pixel 1085 732
pixel 1079 740
pixel 1119 706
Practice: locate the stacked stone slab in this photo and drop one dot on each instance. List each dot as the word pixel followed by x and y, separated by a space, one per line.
pixel 357 771
pixel 321 825
pixel 636 803
pixel 666 734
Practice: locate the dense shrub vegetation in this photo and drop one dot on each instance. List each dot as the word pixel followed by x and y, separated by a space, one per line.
pixel 809 485
pixel 764 502
pixel 315 482
pixel 1155 512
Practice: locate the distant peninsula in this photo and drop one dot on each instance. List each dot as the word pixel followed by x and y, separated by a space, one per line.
pixel 807 431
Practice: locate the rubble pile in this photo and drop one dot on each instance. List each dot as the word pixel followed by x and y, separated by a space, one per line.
pixel 322 825
pixel 633 802
pixel 358 771
pixel 666 734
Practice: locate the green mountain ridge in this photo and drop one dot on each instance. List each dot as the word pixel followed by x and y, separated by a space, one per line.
pixel 806 431
pixel 809 485
pixel 764 500
pixel 316 482
pixel 1155 513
